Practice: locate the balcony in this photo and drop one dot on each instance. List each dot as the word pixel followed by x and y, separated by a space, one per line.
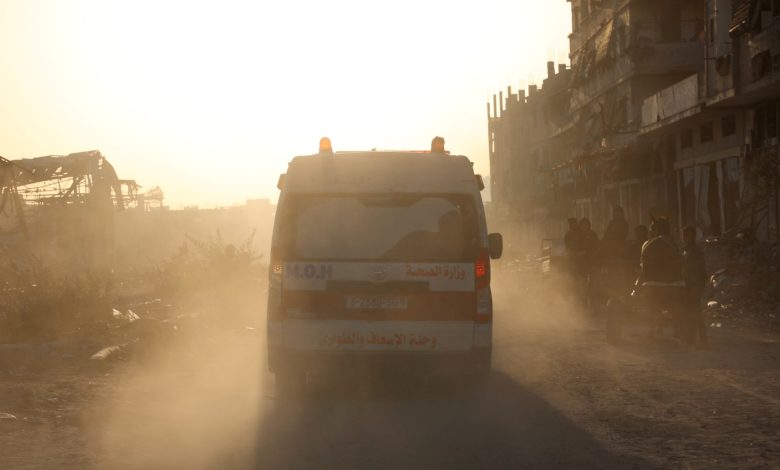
pixel 672 103
pixel 668 58
pixel 760 63
pixel 669 62
pixel 749 75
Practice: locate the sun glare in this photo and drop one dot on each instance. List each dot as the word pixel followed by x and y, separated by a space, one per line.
pixel 210 99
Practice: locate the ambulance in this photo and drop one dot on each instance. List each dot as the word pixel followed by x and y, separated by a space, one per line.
pixel 380 259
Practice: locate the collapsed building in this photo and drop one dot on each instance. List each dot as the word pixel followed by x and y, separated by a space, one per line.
pixel 670 108
pixel 61 208
pixel 73 212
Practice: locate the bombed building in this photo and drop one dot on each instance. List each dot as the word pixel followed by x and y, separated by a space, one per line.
pixel 61 208
pixel 72 212
pixel 669 109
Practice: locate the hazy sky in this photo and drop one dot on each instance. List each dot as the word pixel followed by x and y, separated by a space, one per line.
pixel 210 99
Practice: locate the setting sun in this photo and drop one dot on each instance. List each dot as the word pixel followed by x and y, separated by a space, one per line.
pixel 210 100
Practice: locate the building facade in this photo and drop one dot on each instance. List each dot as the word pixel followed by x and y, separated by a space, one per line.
pixel 670 108
pixel 528 137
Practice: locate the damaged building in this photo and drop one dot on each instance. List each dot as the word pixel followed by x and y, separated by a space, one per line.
pixel 529 135
pixel 670 108
pixel 61 208
pixel 722 123
pixel 74 212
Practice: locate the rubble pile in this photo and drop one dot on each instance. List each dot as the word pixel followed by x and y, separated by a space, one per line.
pixel 103 317
pixel 745 282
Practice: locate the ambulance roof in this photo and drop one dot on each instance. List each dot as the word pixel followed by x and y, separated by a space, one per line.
pixel 371 172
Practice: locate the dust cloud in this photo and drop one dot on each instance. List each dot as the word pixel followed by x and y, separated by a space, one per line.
pixel 175 300
pixel 191 389
pixel 207 401
pixel 194 404
pixel 526 298
pixel 191 394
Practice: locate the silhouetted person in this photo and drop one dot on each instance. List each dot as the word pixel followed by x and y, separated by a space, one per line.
pixel 614 280
pixel 588 241
pixel 745 247
pixel 446 244
pixel 614 241
pixel 660 258
pixel 587 245
pixel 661 271
pixel 569 240
pixel 450 237
pixel 570 243
pixel 694 273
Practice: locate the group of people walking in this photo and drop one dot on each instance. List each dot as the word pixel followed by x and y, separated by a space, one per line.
pixel 586 251
pixel 652 256
pixel 588 255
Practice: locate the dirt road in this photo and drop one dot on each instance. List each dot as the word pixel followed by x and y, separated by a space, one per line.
pixel 560 397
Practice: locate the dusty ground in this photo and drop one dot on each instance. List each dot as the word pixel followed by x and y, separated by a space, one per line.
pixel 559 397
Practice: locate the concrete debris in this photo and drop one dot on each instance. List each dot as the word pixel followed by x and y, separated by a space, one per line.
pixel 719 279
pixel 128 317
pixel 108 352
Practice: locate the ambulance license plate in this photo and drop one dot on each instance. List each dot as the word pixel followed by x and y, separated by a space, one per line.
pixel 375 302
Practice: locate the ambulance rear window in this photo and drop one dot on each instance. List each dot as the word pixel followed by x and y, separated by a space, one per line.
pixel 386 227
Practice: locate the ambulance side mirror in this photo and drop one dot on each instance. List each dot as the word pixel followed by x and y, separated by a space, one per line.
pixel 495 245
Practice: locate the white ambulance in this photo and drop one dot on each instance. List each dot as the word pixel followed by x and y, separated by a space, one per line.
pixel 380 259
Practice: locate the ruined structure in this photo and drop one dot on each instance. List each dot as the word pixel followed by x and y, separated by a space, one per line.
pixel 670 108
pixel 73 213
pixel 724 122
pixel 529 136
pixel 61 208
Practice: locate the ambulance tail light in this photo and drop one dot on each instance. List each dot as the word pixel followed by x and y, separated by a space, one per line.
pixel 482 269
pixel 484 304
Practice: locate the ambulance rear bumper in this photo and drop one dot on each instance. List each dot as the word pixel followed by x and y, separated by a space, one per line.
pixel 369 363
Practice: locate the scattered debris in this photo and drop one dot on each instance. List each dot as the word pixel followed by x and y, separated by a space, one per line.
pixel 7 416
pixel 107 352
pixel 745 282
pixel 126 318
